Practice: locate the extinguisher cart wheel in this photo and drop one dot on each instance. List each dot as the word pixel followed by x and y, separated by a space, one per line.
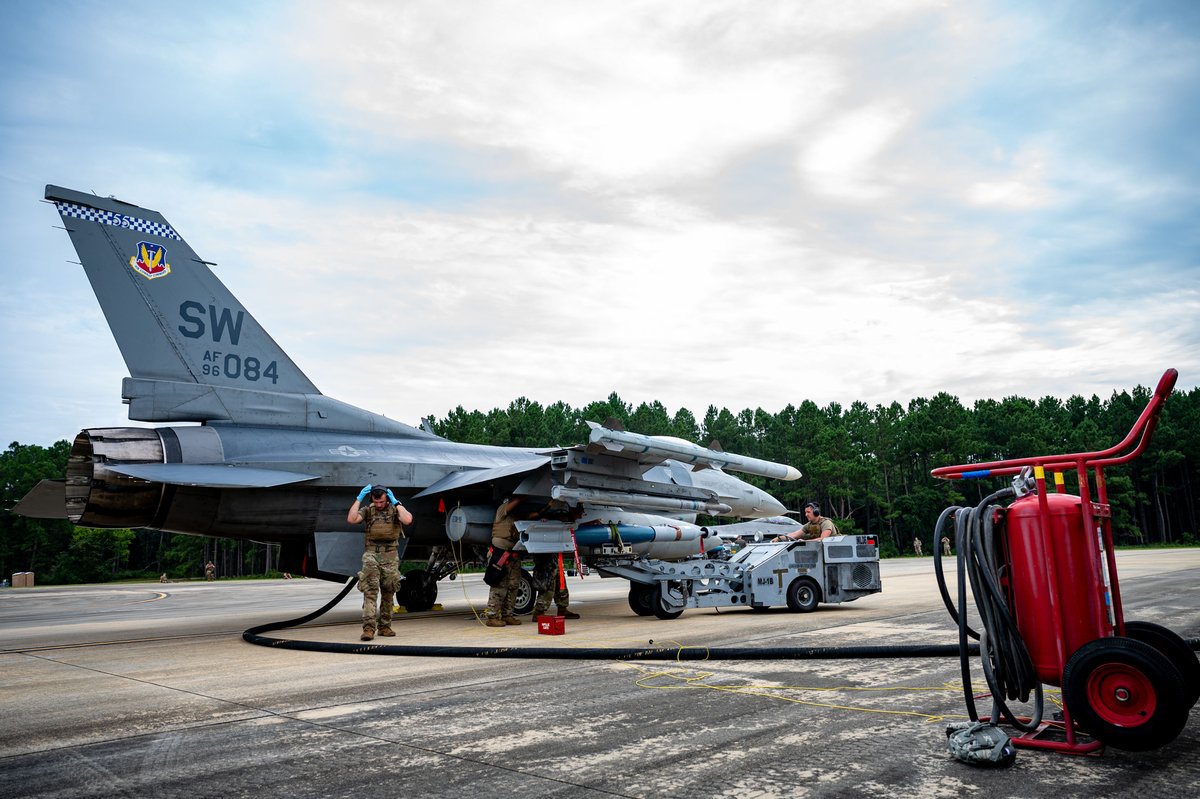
pixel 1125 693
pixel 1176 650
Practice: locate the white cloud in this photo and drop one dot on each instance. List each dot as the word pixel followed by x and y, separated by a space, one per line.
pixel 615 99
pixel 711 202
pixel 690 311
pixel 1022 189
pixel 843 160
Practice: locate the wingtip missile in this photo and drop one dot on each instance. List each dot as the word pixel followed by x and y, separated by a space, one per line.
pixel 686 452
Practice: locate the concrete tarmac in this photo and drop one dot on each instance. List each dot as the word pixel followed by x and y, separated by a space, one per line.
pixel 149 691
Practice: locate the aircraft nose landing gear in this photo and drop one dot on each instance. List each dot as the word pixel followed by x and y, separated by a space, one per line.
pixel 418 592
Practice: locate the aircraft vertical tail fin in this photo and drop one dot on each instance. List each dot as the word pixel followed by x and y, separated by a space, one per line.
pixel 172 318
pixel 194 352
pixel 190 345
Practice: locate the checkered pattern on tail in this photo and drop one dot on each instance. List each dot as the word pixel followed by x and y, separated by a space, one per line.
pixel 117 220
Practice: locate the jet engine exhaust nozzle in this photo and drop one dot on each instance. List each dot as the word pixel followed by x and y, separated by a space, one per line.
pixel 99 497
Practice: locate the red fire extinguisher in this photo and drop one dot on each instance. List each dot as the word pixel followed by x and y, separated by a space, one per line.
pixel 1044 581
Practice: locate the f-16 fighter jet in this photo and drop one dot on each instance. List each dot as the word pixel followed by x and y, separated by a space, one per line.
pixel 255 451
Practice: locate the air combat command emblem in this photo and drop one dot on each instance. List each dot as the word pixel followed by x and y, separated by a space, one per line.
pixel 149 260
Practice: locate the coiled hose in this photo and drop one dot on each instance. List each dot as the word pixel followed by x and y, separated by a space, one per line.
pixel 1007 666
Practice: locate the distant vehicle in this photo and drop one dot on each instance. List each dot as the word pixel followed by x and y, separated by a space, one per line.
pixel 274 459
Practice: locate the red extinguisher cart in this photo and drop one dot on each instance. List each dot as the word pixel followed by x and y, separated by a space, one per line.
pixel 1044 581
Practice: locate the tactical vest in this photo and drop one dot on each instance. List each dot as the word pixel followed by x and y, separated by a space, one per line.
pixel 504 530
pixel 382 527
pixel 812 530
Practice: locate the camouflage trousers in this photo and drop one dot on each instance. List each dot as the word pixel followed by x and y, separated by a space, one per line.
pixel 378 581
pixel 502 597
pixel 545 582
pixel 561 596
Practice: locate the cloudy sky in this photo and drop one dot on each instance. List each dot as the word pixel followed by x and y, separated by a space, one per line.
pixel 728 203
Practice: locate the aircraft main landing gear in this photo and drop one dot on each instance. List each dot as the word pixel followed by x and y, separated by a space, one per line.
pixel 526 596
pixel 418 592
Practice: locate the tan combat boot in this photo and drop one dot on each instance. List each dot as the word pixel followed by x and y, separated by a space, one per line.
pixel 494 623
pixel 513 620
pixel 367 635
pixel 387 631
pixel 567 613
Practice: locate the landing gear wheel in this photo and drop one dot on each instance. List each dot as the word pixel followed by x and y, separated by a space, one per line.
pixel 668 600
pixel 418 592
pixel 1175 648
pixel 803 595
pixel 526 596
pixel 1125 693
pixel 641 598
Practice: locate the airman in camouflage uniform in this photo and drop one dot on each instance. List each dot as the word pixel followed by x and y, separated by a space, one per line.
pixel 502 597
pixel 383 523
pixel 547 579
pixel 816 528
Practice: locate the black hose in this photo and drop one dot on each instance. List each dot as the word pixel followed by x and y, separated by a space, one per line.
pixel 938 534
pixel 254 636
pixel 279 625
pixel 1007 667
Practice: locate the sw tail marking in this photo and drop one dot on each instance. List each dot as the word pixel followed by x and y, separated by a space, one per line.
pixel 192 311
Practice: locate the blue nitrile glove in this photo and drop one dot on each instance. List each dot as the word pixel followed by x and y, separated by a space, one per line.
pixel 392 498
pixel 363 494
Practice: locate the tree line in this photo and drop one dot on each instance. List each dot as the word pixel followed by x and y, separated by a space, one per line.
pixel 59 552
pixel 867 466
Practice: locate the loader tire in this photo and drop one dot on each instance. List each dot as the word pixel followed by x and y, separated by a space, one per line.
pixel 803 595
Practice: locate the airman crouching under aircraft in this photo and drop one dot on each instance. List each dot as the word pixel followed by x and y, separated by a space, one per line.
pixel 383 524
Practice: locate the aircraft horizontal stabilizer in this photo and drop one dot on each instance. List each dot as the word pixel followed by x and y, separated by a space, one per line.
pixel 620 440
pixel 46 500
pixel 211 475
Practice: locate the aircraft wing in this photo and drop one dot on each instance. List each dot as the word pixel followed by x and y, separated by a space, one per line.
pixel 755 530
pixel 475 476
